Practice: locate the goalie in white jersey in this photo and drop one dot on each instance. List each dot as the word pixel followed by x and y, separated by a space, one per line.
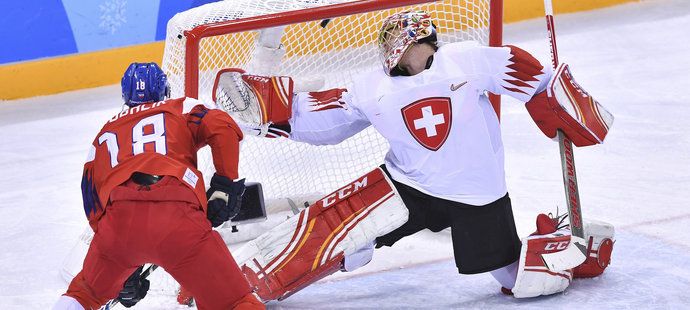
pixel 444 168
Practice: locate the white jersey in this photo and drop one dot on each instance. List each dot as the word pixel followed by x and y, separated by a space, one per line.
pixel 444 135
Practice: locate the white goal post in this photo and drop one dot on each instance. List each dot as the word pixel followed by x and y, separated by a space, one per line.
pixel 326 40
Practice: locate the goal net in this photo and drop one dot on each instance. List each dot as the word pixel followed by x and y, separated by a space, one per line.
pixel 323 44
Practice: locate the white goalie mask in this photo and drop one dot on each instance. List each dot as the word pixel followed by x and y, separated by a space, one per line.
pixel 399 32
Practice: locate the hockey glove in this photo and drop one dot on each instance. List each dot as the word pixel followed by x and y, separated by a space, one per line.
pixel 134 290
pixel 566 106
pixel 224 199
pixel 254 99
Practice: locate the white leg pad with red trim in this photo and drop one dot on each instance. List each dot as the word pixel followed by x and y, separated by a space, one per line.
pixel 312 244
pixel 533 278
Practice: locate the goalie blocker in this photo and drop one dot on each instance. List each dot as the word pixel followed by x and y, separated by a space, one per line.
pixel 568 107
pixel 314 243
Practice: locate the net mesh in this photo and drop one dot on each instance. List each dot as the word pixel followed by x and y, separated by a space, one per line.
pixel 330 56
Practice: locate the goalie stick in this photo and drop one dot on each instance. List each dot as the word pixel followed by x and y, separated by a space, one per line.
pixel 576 253
pixel 113 302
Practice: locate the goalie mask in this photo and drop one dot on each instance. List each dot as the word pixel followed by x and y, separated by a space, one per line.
pixel 399 32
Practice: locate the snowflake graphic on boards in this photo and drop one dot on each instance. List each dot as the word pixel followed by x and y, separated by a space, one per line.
pixel 113 15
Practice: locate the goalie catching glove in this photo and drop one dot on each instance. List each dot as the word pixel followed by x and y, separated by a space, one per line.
pixel 224 199
pixel 568 107
pixel 261 105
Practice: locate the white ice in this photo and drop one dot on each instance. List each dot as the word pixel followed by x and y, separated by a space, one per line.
pixel 632 58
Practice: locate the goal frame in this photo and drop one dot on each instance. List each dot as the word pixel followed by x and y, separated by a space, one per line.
pixel 194 36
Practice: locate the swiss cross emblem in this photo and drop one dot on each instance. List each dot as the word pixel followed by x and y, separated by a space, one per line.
pixel 429 120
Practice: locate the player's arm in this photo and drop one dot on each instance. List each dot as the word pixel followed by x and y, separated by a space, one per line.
pixel 554 100
pixel 218 130
pixel 91 202
pixel 506 70
pixel 269 106
pixel 326 117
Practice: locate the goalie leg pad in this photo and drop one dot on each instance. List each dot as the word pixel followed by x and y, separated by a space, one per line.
pixel 533 277
pixel 312 244
pixel 568 107
pixel 600 237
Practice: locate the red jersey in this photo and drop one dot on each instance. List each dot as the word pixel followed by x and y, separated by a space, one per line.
pixel 159 138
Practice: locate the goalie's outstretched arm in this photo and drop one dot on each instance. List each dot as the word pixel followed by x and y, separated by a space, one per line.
pixel 326 117
pixel 269 107
pixel 554 99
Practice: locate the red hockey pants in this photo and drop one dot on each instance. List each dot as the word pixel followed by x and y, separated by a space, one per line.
pixel 165 225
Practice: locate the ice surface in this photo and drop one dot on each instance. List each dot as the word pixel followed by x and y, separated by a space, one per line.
pixel 632 58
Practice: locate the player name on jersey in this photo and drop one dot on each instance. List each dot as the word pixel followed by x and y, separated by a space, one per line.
pixel 134 110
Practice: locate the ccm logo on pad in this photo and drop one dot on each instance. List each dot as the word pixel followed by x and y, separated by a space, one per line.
pixel 561 245
pixel 344 192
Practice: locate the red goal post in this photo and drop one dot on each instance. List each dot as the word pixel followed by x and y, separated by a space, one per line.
pixel 224 34
pixel 195 35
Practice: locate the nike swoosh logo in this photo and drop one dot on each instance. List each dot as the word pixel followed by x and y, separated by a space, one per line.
pixel 454 87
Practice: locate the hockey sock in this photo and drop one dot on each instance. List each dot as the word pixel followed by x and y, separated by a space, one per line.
pixel 506 275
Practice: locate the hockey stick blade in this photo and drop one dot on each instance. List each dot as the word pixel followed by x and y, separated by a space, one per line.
pixel 573 256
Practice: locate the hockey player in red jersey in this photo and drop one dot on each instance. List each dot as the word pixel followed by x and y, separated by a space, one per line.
pixel 444 168
pixel 146 200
